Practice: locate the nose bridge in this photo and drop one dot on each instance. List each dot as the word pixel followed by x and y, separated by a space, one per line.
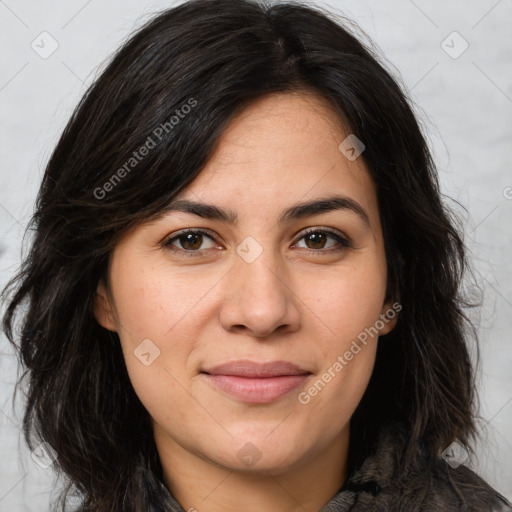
pixel 257 268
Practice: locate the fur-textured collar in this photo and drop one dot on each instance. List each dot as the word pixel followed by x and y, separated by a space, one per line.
pixel 378 486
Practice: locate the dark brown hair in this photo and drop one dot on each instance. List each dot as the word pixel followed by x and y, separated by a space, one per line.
pixel 222 55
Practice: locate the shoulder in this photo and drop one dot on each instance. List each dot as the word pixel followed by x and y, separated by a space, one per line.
pixel 424 486
pixel 441 487
pixel 463 488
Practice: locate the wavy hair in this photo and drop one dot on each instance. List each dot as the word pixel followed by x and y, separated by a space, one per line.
pixel 224 54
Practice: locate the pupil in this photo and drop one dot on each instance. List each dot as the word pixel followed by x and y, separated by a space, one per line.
pixel 317 236
pixel 189 237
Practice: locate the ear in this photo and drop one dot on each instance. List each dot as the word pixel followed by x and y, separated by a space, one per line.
pixel 389 317
pixel 102 308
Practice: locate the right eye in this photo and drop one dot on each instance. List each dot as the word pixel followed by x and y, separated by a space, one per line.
pixel 190 241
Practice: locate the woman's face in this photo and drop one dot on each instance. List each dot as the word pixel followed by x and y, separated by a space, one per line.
pixel 256 291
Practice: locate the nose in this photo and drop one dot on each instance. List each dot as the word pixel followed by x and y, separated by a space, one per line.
pixel 259 299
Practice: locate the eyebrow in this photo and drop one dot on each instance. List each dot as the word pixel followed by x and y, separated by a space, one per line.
pixel 294 212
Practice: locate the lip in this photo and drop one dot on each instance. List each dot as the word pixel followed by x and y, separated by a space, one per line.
pixel 253 382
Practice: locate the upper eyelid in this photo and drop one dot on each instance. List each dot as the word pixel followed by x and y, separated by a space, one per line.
pixel 189 230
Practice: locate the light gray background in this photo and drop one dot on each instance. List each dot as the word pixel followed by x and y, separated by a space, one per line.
pixel 465 105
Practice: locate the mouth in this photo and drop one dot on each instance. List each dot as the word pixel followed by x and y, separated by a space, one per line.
pixel 256 383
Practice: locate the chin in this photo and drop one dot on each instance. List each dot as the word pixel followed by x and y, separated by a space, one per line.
pixel 251 459
pixel 261 452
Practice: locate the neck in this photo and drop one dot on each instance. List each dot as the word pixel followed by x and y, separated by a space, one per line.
pixel 201 485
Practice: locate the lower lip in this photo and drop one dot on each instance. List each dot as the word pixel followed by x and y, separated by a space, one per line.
pixel 256 390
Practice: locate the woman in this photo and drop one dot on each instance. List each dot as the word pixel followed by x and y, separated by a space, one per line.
pixel 243 287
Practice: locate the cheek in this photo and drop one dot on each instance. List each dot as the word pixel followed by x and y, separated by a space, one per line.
pixel 155 303
pixel 345 303
pixel 346 307
pixel 346 352
pixel 160 323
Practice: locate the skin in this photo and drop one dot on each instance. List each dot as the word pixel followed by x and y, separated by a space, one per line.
pixel 288 304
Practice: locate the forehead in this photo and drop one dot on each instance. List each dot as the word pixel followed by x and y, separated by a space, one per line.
pixel 283 148
pixel 280 124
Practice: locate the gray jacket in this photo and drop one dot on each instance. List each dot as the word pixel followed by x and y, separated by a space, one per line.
pixel 377 486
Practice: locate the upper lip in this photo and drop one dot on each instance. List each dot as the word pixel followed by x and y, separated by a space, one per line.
pixel 251 369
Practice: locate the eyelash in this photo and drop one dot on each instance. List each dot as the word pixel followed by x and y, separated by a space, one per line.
pixel 344 243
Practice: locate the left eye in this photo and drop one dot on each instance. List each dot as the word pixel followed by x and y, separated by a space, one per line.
pixel 191 241
pixel 318 237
